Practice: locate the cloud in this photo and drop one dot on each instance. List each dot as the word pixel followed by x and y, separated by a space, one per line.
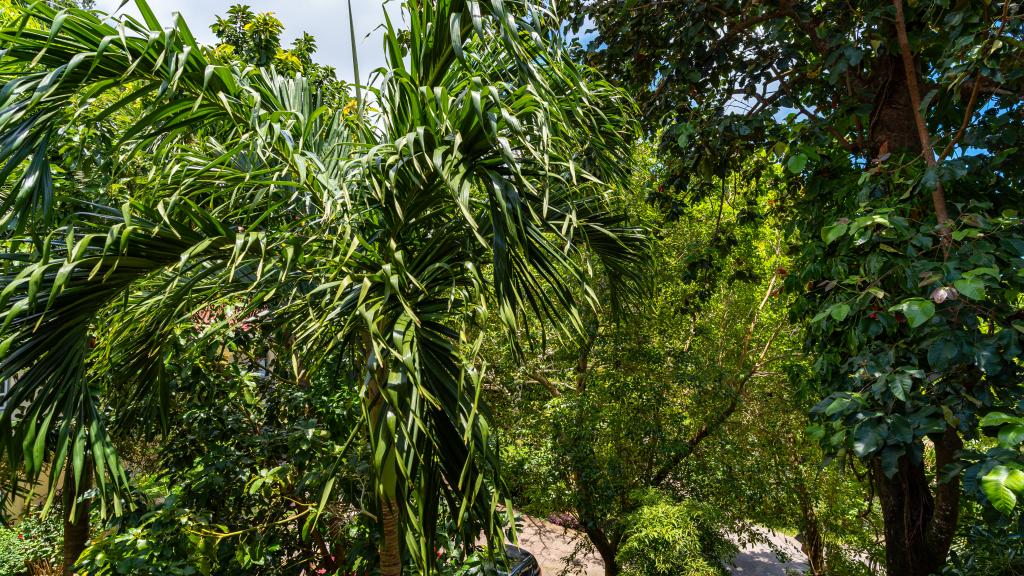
pixel 327 20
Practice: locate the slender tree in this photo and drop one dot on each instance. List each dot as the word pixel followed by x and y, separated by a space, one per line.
pixel 471 182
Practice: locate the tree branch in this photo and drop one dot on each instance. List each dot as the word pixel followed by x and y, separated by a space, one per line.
pixel 968 114
pixel 973 101
pixel 910 69
pixel 784 86
pixel 734 403
pixel 543 380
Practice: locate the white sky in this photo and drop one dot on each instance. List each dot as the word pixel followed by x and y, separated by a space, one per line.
pixel 327 20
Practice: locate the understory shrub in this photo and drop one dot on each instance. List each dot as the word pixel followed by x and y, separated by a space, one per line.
pixel 667 538
pixel 167 540
pixel 32 544
pixel 43 539
pixel 986 551
pixel 13 553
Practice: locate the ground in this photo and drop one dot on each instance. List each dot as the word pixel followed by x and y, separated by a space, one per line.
pixel 552 545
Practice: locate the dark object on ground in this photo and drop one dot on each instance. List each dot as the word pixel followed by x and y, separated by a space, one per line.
pixel 520 563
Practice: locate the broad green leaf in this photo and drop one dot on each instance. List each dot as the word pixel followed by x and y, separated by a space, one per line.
pixel 917 310
pixel 867 439
pixel 983 271
pixel 1001 486
pixel 1011 435
pixel 797 163
pixel 891 458
pixel 900 384
pixel 972 288
pixel 999 418
pixel 831 233
pixel 840 312
pixel 838 405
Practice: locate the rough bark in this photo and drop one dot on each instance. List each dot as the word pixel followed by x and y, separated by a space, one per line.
pixel 605 548
pixel 76 522
pixel 919 523
pixel 390 553
pixel 947 494
pixel 907 508
pixel 893 125
pixel 811 542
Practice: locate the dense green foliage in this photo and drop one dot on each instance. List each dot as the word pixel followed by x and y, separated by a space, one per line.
pixel 276 324
pixel 32 546
pixel 256 39
pixel 371 246
pixel 251 478
pixel 13 559
pixel 656 404
pixel 900 126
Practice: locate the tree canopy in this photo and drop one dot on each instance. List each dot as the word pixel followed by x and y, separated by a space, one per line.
pixel 670 273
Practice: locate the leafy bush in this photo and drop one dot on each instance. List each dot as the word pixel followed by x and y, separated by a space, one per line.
pixel 237 486
pixel 43 538
pixel 163 541
pixel 985 551
pixel 13 553
pixel 666 538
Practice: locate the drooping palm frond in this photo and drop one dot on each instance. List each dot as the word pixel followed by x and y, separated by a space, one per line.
pixel 475 181
pixel 50 305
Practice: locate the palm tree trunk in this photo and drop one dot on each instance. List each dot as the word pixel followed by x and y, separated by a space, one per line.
pixel 76 523
pixel 390 554
pixel 390 550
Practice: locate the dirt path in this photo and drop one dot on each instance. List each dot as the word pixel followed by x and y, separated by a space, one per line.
pixel 554 545
pixel 760 559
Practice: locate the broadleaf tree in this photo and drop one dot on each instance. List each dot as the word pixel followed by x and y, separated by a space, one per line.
pixel 900 125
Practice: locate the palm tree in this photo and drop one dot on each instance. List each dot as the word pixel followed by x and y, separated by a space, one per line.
pixel 474 181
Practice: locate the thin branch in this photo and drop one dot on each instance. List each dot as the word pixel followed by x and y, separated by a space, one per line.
pixel 753 323
pixel 968 114
pixel 543 380
pixel 742 26
pixel 784 86
pixel 738 388
pixel 973 101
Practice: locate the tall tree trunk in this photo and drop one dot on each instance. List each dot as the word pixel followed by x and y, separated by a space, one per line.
pixel 390 553
pixel 390 548
pixel 76 523
pixel 811 542
pixel 605 548
pixel 919 525
pixel 907 508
